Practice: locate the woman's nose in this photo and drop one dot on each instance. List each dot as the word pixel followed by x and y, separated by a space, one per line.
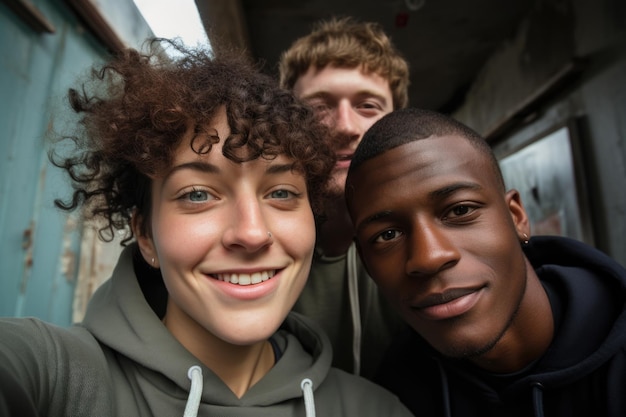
pixel 247 229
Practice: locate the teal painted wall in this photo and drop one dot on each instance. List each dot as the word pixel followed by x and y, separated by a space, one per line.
pixel 35 71
pixel 39 244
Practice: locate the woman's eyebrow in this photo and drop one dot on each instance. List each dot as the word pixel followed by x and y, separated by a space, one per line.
pixel 279 168
pixel 195 166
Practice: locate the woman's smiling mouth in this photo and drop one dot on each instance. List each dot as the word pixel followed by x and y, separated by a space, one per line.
pixel 245 278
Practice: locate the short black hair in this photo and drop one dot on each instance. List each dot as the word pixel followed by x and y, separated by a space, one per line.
pixel 407 125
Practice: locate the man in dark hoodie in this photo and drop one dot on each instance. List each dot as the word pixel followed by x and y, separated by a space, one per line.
pixel 502 324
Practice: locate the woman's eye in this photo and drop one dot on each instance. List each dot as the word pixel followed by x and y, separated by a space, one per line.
pixel 197 196
pixel 281 194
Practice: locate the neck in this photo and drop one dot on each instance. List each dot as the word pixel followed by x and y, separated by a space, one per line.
pixel 239 367
pixel 529 335
pixel 335 235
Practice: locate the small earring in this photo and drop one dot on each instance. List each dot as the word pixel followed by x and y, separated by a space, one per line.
pixel 269 234
pixel 152 260
pixel 525 239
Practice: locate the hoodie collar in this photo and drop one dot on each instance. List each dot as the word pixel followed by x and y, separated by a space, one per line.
pixel 120 317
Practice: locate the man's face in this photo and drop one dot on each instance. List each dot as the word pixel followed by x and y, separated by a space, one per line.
pixel 441 239
pixel 349 101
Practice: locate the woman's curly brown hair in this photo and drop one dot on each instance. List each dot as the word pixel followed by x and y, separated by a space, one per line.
pixel 135 110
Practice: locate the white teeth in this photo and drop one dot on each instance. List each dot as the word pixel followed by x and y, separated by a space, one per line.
pixel 256 278
pixel 246 279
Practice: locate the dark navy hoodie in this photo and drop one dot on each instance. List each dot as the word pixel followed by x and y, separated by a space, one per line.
pixel 583 372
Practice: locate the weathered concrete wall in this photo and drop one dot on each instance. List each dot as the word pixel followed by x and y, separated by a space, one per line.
pixel 566 65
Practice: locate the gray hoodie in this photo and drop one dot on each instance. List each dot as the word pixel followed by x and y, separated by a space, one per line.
pixel 122 361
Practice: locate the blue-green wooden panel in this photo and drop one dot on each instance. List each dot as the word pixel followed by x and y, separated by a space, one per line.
pixel 36 240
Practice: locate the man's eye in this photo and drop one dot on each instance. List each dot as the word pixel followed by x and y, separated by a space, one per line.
pixel 460 210
pixel 370 105
pixel 319 106
pixel 387 235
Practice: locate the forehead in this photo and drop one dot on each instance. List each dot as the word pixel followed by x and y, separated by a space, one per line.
pixel 331 78
pixel 185 152
pixel 421 165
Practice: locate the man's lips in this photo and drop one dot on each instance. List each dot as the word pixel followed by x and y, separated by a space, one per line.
pixel 343 161
pixel 344 157
pixel 448 304
pixel 444 297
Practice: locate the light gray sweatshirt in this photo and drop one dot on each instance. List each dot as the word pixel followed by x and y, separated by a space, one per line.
pixel 122 361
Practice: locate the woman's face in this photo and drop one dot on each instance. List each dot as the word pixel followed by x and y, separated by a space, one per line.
pixel 234 242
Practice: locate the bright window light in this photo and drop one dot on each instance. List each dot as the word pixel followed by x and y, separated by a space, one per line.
pixel 174 19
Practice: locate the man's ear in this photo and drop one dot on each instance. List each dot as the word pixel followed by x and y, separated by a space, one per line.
pixel 518 214
pixel 145 242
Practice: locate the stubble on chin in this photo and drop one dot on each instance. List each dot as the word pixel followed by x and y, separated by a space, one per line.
pixel 337 184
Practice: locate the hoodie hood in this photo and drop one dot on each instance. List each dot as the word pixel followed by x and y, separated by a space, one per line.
pixel 127 321
pixel 587 292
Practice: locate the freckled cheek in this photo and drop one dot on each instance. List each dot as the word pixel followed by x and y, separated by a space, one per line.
pixel 296 234
pixel 185 240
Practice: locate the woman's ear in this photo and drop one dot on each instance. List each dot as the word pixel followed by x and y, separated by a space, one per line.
pixel 144 240
pixel 518 214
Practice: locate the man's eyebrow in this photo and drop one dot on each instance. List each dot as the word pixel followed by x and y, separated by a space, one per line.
pixel 452 188
pixel 315 94
pixel 323 94
pixel 442 192
pixel 374 218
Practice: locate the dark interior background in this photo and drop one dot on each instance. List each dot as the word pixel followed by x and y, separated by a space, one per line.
pixel 445 41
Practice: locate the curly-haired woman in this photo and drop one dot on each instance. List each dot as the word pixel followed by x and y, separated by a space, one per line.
pixel 217 176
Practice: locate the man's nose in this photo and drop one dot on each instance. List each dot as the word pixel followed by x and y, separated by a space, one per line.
pixel 346 122
pixel 431 250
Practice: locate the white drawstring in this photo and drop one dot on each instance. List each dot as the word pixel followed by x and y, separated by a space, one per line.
pixel 309 401
pixel 195 392
pixel 355 309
